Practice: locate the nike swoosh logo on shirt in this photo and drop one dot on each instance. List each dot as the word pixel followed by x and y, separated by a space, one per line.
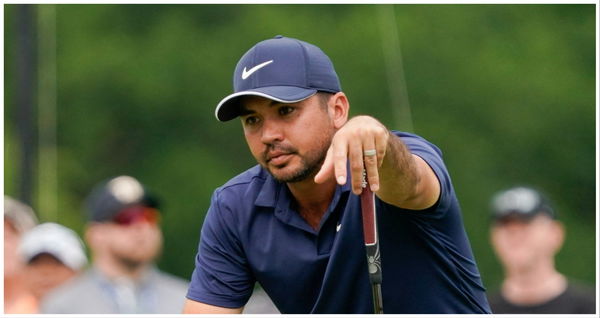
pixel 338 227
pixel 246 73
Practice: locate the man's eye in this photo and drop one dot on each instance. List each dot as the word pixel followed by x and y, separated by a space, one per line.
pixel 285 110
pixel 250 120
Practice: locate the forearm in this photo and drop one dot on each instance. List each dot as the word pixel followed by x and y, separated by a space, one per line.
pixel 406 180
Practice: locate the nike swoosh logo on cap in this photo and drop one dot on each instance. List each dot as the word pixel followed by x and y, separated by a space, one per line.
pixel 246 73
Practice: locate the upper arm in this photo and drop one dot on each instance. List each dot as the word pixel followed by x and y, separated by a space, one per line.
pixel 195 307
pixel 409 179
pixel 428 187
pixel 222 275
pixel 426 193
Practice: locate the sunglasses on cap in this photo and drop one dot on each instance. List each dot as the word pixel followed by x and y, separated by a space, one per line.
pixel 137 214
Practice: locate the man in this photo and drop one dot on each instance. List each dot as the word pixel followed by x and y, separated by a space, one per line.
pixel 124 237
pixel 293 222
pixel 53 255
pixel 526 237
pixel 18 219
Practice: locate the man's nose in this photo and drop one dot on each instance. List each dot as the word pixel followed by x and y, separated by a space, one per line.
pixel 271 132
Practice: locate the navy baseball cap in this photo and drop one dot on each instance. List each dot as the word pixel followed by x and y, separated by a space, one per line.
pixel 110 197
pixel 521 203
pixel 283 69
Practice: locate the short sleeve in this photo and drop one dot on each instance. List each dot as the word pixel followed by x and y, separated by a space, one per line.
pixel 222 276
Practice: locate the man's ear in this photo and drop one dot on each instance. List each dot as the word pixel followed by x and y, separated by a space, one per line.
pixel 338 109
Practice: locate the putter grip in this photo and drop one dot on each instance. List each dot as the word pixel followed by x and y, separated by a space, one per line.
pixel 367 202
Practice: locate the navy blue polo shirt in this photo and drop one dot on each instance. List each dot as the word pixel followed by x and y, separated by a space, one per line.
pixel 252 233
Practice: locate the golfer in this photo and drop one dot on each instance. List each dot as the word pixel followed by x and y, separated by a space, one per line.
pixel 293 222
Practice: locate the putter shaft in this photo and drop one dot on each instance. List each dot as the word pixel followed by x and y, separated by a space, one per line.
pixel 377 299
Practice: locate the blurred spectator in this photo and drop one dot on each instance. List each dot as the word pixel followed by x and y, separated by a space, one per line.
pixel 526 236
pixel 18 219
pixel 124 238
pixel 53 254
pixel 260 303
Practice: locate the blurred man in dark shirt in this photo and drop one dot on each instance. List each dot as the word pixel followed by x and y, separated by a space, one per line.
pixel 526 236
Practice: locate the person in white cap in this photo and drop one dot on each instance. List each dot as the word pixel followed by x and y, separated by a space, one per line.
pixel 18 219
pixel 53 254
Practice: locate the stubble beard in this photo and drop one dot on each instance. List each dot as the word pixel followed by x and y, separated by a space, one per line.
pixel 309 164
pixel 308 167
pixel 129 263
pixel 132 261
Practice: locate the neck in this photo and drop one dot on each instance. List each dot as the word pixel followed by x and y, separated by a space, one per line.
pixel 533 285
pixel 313 199
pixel 114 267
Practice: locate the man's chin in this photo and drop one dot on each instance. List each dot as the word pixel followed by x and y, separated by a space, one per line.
pixel 286 175
pixel 136 261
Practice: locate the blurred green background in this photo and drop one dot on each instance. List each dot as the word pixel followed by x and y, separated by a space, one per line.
pixel 506 91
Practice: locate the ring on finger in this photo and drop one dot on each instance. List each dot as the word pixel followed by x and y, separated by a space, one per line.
pixel 370 152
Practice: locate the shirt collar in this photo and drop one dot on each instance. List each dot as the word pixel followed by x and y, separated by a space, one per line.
pixel 267 196
pixel 271 190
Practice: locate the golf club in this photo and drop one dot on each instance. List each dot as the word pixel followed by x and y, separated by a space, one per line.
pixel 367 202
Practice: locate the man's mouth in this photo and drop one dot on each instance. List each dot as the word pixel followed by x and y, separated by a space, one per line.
pixel 277 158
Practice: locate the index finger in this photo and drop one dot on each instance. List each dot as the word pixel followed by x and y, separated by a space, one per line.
pixel 340 158
pixel 326 170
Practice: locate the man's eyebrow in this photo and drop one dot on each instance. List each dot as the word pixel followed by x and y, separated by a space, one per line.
pixel 245 111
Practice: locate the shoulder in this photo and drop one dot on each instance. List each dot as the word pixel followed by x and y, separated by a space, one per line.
pixel 417 143
pixel 578 291
pixel 578 298
pixel 171 290
pixel 426 150
pixel 171 282
pixel 245 178
pixel 75 286
pixel 254 187
pixel 580 288
pixel 233 205
pixel 242 186
pixel 78 290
